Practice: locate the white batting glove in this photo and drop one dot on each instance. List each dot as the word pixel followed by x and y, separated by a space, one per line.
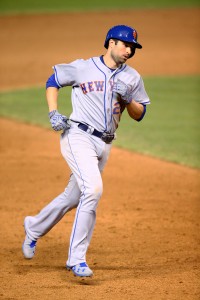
pixel 58 121
pixel 124 90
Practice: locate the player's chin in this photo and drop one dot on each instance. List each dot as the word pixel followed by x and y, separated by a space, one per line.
pixel 124 59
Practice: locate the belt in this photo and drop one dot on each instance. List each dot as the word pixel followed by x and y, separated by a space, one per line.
pixel 105 136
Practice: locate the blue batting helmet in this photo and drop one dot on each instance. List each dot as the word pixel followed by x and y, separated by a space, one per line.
pixel 123 33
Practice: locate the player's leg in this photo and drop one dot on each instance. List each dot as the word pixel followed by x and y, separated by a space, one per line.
pixel 82 155
pixel 51 214
pixel 102 162
pixel 38 225
pixel 82 269
pixel 91 187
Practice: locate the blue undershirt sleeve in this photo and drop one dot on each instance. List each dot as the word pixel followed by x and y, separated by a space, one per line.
pixel 51 82
pixel 144 112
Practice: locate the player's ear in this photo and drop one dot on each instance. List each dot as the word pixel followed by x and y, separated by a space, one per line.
pixel 111 43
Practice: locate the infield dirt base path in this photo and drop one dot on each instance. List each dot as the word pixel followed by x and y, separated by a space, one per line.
pixel 146 241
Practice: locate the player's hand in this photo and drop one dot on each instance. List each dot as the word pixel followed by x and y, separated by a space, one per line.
pixel 124 90
pixel 58 121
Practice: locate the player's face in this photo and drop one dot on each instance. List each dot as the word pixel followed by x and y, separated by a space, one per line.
pixel 121 51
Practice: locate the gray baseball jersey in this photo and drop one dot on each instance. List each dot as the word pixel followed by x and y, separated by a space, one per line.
pixel 93 101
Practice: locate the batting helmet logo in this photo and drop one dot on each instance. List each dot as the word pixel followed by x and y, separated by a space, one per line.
pixel 135 35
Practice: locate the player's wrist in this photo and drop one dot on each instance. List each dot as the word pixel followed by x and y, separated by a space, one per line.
pixel 52 113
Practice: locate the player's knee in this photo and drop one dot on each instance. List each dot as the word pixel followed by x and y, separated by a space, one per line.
pixel 90 197
pixel 95 191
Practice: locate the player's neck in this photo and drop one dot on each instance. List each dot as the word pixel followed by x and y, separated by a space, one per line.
pixel 109 62
pixel 102 60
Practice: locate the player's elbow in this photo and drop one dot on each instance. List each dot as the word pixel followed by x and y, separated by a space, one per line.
pixel 142 115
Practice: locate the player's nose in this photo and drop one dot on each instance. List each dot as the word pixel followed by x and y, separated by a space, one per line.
pixel 128 51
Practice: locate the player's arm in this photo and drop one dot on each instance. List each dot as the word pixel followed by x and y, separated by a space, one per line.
pixel 52 89
pixel 136 110
pixel 52 98
pixel 57 120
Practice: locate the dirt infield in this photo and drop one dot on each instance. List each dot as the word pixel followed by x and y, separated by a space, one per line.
pixel 146 241
pixel 170 40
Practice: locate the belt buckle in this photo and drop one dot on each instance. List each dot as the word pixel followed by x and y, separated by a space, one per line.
pixel 90 129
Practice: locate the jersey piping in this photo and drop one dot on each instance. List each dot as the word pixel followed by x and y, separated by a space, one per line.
pixel 105 117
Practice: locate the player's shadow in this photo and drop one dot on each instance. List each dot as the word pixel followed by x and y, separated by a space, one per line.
pixel 48 261
pixel 64 274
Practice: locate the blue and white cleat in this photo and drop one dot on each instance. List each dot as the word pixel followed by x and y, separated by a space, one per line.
pixel 81 270
pixel 28 247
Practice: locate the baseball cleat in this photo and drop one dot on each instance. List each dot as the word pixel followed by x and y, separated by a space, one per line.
pixel 28 247
pixel 81 270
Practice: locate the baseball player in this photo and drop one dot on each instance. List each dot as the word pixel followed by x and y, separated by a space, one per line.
pixel 102 88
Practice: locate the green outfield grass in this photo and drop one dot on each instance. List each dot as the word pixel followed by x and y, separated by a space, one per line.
pixel 170 130
pixel 31 6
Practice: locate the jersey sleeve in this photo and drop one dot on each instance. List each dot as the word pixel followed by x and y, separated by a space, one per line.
pixel 51 82
pixel 67 74
pixel 139 93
